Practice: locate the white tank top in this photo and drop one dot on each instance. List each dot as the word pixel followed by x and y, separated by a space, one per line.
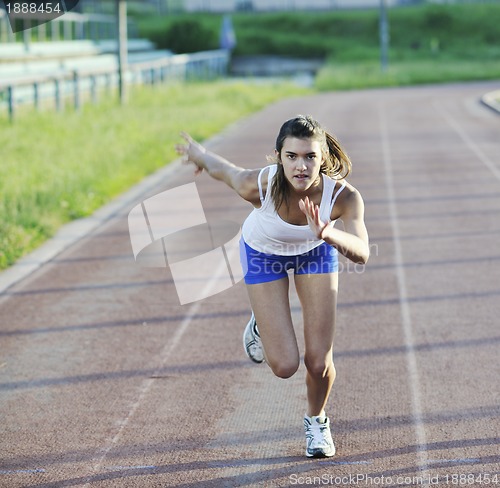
pixel 265 231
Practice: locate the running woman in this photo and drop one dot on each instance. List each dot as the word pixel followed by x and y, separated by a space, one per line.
pixel 296 201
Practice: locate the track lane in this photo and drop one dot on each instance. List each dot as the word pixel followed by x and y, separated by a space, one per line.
pixel 103 385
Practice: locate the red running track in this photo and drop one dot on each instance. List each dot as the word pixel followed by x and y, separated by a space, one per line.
pixel 106 381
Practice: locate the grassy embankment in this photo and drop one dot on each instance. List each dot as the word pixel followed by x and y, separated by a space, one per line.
pixel 59 167
pixel 428 43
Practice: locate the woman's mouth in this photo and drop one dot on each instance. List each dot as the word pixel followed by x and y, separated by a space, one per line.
pixel 301 176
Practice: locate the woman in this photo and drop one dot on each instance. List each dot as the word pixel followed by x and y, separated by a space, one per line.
pixel 296 203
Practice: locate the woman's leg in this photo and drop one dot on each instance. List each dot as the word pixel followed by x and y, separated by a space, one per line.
pixel 318 297
pixel 271 306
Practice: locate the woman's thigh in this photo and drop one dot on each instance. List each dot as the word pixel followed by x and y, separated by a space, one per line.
pixel 318 297
pixel 271 306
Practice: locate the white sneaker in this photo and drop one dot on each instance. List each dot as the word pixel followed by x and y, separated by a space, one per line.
pixel 252 342
pixel 319 442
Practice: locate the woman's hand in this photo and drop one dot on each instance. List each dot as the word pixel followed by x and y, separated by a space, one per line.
pixel 191 152
pixel 311 211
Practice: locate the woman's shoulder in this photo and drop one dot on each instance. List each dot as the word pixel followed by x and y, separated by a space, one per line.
pixel 350 192
pixel 265 173
pixel 252 182
pixel 348 197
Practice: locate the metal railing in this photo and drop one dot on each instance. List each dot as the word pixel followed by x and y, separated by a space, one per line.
pixel 76 84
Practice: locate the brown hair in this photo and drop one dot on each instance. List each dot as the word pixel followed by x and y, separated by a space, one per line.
pixel 336 162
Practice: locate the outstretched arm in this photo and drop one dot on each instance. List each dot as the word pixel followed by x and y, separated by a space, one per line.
pixel 353 242
pixel 241 180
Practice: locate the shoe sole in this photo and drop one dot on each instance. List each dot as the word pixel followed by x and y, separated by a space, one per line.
pixel 248 355
pixel 319 455
pixel 246 350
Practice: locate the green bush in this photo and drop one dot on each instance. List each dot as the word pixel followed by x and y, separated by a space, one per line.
pixel 186 36
pixel 437 18
pixel 460 31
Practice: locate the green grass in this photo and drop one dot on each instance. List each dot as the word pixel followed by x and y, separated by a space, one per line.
pixel 61 166
pixel 368 74
pixel 428 43
pixel 463 31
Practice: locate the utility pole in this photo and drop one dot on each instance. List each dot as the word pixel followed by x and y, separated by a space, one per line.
pixel 121 12
pixel 26 34
pixel 384 36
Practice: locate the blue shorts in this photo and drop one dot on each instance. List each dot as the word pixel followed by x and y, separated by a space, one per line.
pixel 259 267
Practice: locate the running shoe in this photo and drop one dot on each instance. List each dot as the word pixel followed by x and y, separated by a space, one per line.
pixel 252 342
pixel 319 442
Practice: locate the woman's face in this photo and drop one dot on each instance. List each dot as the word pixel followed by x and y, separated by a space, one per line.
pixel 302 160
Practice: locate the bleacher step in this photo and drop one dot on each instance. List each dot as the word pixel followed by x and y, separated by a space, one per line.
pixel 17 51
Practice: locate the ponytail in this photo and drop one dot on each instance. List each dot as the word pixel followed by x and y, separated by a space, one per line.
pixel 337 164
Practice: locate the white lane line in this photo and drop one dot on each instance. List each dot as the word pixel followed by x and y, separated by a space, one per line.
pixel 347 463
pixel 130 468
pixel 406 322
pixel 455 461
pixel 22 471
pixel 468 141
pixel 148 383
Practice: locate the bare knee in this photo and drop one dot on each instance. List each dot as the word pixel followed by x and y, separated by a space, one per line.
pixel 319 367
pixel 284 369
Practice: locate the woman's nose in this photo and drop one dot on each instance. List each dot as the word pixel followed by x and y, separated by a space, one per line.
pixel 301 164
